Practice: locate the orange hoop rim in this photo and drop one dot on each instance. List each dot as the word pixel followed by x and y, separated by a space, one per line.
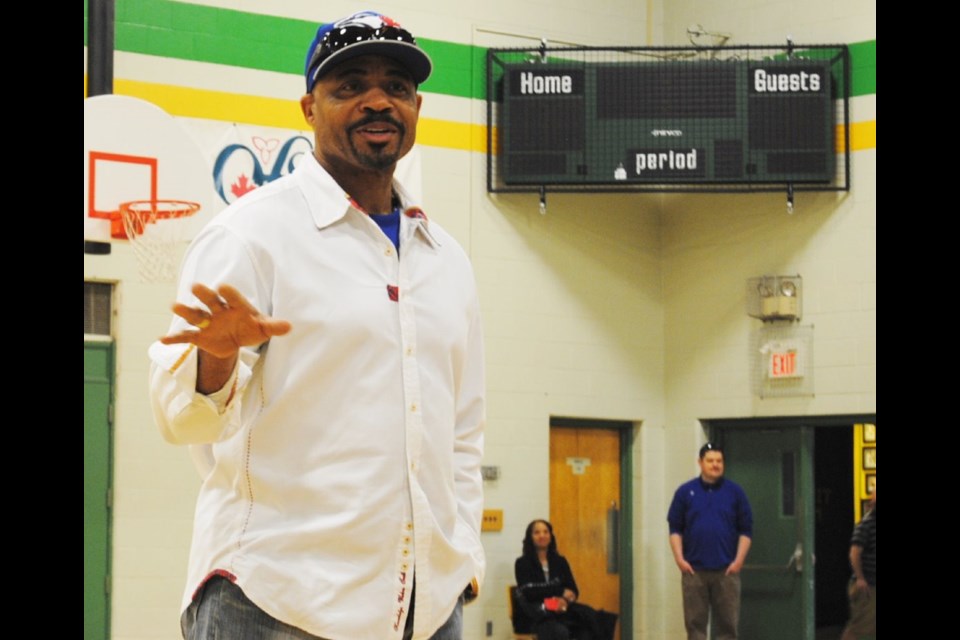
pixel 175 208
pixel 131 218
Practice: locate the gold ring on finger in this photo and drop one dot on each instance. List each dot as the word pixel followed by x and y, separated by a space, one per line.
pixel 203 324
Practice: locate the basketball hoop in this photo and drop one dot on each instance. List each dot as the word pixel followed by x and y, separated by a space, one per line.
pixel 156 228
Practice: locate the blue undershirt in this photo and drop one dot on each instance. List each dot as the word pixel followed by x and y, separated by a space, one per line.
pixel 390 224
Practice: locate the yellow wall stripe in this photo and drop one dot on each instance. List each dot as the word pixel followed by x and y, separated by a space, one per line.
pixel 285 114
pixel 216 105
pixel 452 135
pixel 863 135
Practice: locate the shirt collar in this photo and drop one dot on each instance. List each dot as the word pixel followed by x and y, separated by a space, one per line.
pixel 328 203
pixel 707 486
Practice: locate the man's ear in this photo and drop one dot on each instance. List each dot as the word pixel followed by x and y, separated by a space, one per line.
pixel 306 105
pixel 419 102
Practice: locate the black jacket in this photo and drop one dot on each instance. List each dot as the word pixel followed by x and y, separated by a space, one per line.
pixel 527 613
pixel 528 570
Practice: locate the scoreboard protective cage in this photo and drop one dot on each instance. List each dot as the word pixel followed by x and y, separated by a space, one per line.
pixel 668 119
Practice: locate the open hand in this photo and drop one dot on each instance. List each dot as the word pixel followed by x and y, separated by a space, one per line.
pixel 231 323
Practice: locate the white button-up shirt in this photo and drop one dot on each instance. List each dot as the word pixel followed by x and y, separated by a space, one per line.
pixel 346 453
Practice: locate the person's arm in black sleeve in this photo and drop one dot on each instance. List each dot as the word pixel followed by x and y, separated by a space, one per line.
pixel 526 613
pixel 570 590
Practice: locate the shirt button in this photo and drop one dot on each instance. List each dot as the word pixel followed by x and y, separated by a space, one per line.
pixel 413 407
pixel 409 351
pixel 388 251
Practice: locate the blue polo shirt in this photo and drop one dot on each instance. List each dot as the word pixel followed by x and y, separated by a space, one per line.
pixel 710 518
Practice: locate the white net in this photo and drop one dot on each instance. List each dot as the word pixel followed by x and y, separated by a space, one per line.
pixel 156 230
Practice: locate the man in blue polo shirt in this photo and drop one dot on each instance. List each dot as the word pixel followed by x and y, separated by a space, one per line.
pixel 710 530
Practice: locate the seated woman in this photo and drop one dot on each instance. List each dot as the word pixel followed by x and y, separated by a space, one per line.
pixel 548 593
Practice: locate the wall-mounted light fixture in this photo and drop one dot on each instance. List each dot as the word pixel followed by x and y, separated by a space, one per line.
pixel 781 351
pixel 775 297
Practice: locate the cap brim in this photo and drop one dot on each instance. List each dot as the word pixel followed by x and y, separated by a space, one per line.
pixel 412 57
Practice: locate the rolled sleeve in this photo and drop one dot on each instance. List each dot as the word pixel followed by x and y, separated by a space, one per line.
pixel 183 415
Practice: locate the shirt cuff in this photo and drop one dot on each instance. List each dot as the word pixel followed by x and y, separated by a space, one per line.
pixel 222 397
pixel 185 416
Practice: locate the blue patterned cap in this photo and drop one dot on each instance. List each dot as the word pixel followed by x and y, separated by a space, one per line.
pixel 364 33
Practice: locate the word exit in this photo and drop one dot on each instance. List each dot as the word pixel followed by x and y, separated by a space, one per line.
pixel 784 364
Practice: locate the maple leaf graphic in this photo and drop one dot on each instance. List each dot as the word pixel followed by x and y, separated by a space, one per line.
pixel 242 186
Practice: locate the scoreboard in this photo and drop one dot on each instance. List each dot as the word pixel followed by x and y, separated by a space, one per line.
pixel 666 122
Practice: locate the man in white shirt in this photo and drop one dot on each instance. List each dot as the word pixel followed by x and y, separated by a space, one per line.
pixel 327 343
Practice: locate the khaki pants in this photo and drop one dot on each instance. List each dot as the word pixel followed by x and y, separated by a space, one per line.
pixel 711 590
pixel 863 612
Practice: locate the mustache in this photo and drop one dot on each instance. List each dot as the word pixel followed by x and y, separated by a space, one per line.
pixel 374 118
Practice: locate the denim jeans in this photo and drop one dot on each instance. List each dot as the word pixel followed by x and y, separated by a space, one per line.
pixel 221 611
pixel 452 629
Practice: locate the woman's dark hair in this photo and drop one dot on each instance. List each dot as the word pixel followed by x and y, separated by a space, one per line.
pixel 529 550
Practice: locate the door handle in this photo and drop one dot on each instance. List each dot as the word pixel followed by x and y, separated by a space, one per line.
pixel 794 563
pixel 796 559
pixel 613 539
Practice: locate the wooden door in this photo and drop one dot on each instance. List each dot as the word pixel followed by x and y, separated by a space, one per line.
pixel 585 509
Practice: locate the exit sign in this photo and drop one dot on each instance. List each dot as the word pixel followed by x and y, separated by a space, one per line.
pixel 785 363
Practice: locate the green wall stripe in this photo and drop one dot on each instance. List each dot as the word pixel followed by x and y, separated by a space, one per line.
pixel 208 34
pixel 863 67
pixel 454 66
pixel 269 43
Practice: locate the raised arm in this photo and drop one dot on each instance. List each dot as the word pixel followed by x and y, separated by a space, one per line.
pixel 228 323
pixel 200 368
